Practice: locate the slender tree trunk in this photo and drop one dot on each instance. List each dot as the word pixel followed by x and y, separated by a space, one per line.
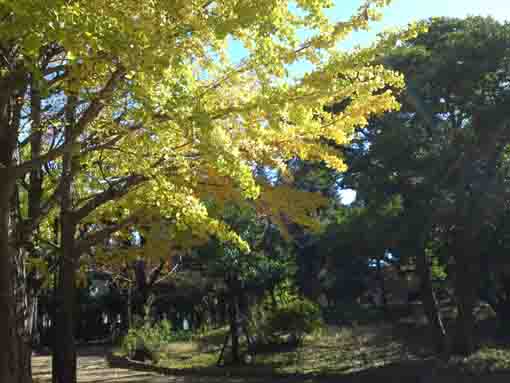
pixel 234 330
pixel 429 300
pixel 382 284
pixel 233 311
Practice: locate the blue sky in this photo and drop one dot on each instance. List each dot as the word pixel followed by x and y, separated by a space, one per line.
pixel 401 12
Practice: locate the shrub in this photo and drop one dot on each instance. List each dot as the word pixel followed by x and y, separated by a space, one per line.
pixel 293 321
pixel 147 340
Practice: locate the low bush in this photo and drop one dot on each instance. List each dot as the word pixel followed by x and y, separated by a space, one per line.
pixel 147 340
pixel 293 321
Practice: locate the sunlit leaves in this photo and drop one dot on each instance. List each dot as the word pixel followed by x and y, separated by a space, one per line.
pixel 194 123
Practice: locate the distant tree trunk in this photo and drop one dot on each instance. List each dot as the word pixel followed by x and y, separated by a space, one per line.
pixel 467 282
pixel 429 300
pixel 382 284
pixel 466 292
pixel 144 285
pixel 501 302
pixel 234 330
pixel 129 308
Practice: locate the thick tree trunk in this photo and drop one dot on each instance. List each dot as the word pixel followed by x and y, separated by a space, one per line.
pixel 467 283
pixel 24 317
pixel 64 352
pixel 429 300
pixel 12 87
pixel 24 362
pixel 9 349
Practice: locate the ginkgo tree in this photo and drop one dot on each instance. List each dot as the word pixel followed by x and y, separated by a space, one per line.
pixel 124 111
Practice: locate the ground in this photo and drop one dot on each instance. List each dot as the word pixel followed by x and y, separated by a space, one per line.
pixel 385 352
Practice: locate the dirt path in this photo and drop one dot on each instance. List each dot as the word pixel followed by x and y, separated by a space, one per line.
pixel 93 368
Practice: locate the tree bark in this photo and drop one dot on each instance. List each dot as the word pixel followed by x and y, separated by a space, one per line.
pixel 64 352
pixel 8 352
pixel 12 88
pixel 466 291
pixel 467 283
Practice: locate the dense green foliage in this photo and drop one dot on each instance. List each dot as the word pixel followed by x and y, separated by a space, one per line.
pixel 297 318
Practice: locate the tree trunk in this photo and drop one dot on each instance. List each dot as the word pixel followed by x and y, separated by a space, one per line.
pixel 24 362
pixel 234 331
pixel 382 284
pixel 11 369
pixel 429 300
pixel 467 283
pixel 8 351
pixel 466 290
pixel 64 352
pixel 501 302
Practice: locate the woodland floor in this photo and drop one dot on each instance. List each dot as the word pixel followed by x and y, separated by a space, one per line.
pixel 382 353
pixel 396 349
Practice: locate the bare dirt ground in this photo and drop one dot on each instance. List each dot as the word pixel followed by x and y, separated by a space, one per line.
pixel 92 368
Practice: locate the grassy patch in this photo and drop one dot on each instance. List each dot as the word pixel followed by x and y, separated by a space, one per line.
pixel 384 347
pixel 338 351
pixel 201 352
pixel 488 359
pixel 333 351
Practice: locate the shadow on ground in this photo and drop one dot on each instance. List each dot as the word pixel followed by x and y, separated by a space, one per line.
pixel 94 369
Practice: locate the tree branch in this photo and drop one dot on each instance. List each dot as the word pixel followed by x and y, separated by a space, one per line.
pixel 93 110
pixel 116 191
pixel 98 236
pixel 97 105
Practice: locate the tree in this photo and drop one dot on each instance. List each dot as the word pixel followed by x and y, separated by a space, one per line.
pixel 133 118
pixel 450 167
